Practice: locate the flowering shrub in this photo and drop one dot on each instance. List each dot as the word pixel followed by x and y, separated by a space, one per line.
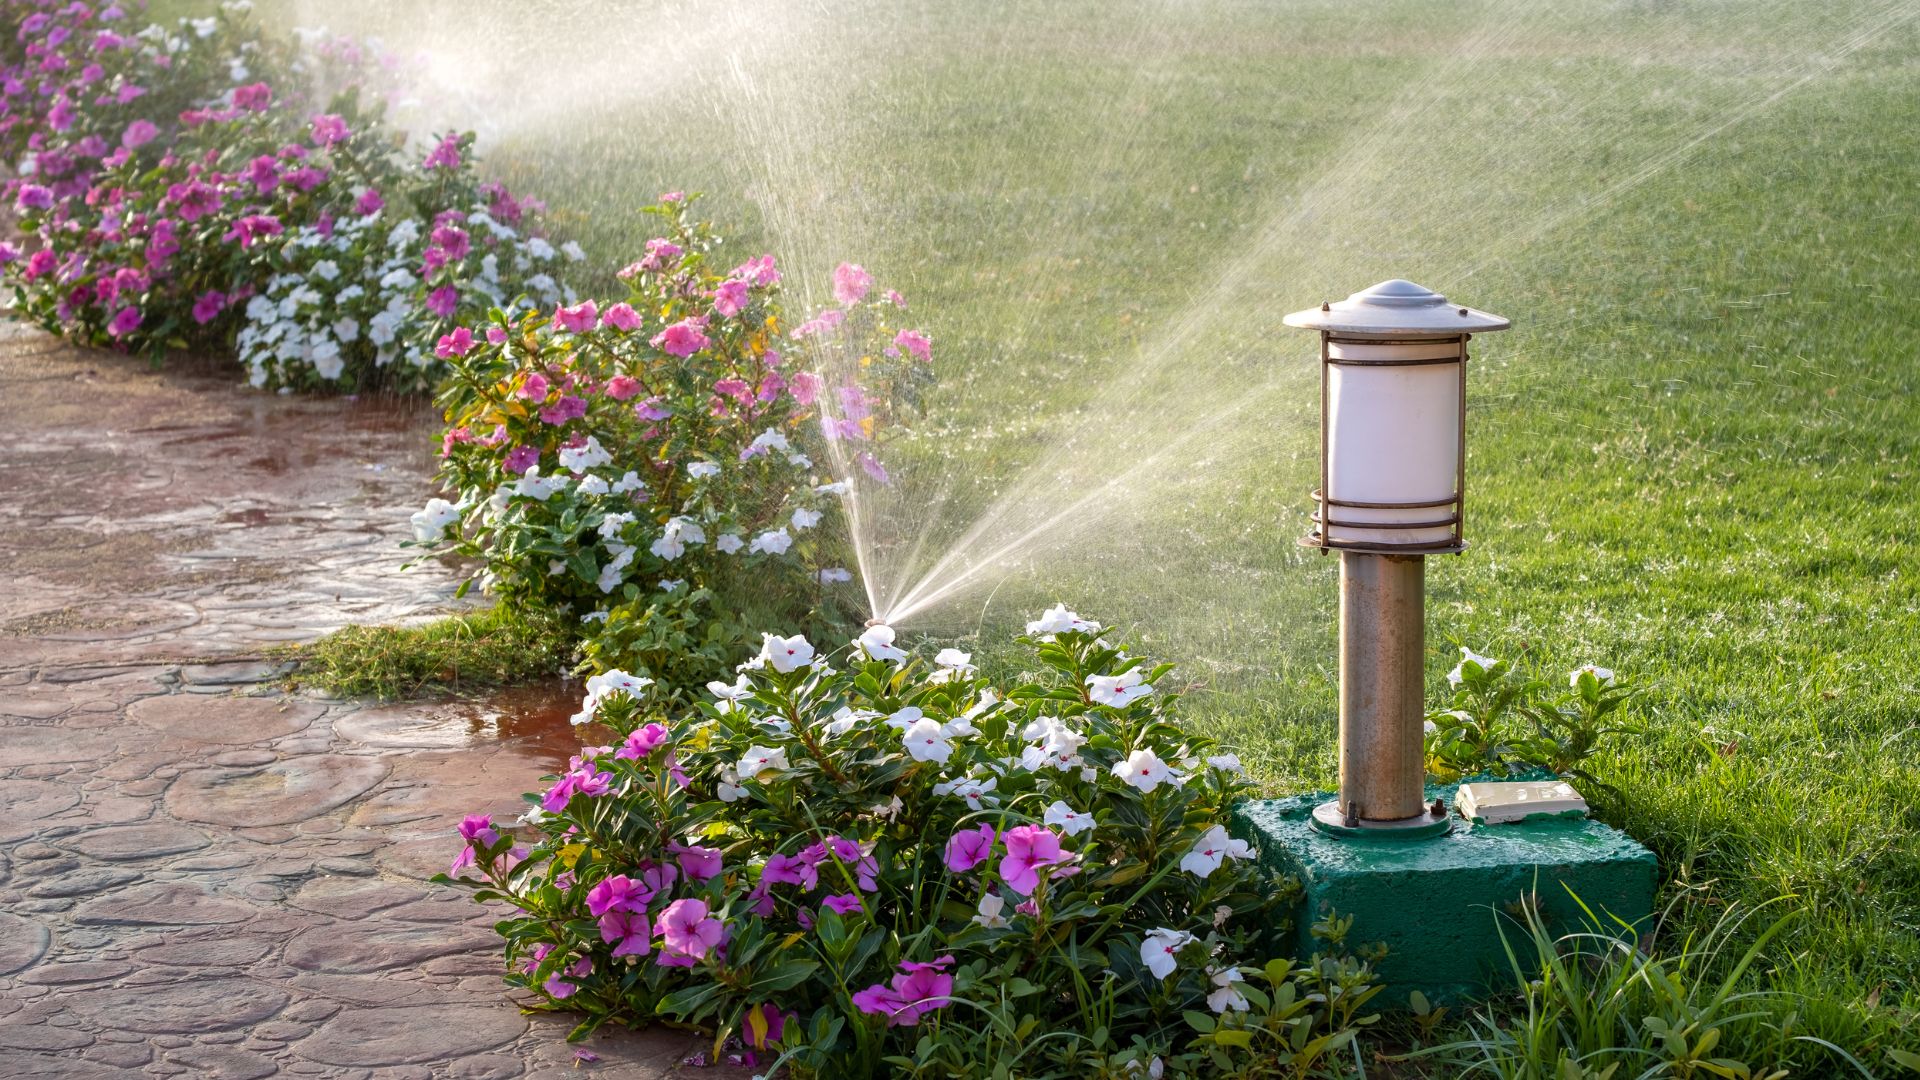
pixel 889 867
pixel 1499 720
pixel 626 462
pixel 171 180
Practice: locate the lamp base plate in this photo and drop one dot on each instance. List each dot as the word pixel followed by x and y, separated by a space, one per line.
pixel 1328 819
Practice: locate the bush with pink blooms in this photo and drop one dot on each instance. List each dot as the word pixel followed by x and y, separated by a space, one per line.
pixel 868 864
pixel 213 185
pixel 661 469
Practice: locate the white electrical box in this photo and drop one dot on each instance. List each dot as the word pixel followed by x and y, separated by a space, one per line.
pixel 1500 803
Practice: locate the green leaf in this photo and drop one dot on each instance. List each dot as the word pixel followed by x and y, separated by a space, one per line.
pixel 1199 1021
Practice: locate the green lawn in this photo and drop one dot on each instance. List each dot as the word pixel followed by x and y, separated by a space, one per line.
pixel 1692 459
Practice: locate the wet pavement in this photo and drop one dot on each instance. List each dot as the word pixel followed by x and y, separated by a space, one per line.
pixel 199 875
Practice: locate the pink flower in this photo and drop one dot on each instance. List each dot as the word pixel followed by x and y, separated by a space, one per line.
pixel 850 283
pixel 249 228
pixel 569 407
pixel 673 196
pixel 805 387
pixel 369 202
pixel 760 271
pixel 444 156
pixel 683 338
pixel 496 335
pixel 621 317
pixel 559 795
pixel 617 893
pixel 264 173
pixel 521 458
pixel 730 298
pixel 33 197
pixel 458 343
pixel 621 387
pixel 738 390
pixel 452 240
pixel 476 830
pixel 660 252
pixel 195 199
pixel 874 469
pixel 1029 849
pixel 643 742
pixel 306 179
pixel 969 848
pixel 916 343
pixel 650 409
pixel 688 934
pixel 444 301
pixel 124 322
pixel 894 298
pixel 208 307
pixel 790 870
pixel 629 931
pixel 917 990
pixel 535 388
pixel 253 97
pixel 578 319
pixel 699 863
pixel 329 129
pixel 842 903
pixel 139 133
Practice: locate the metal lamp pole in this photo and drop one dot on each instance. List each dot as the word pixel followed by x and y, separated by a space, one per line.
pixel 1392 482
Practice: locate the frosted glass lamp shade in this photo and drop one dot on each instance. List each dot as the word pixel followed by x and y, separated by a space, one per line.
pixel 1393 443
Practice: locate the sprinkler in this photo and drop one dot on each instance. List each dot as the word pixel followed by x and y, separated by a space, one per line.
pixel 1393 380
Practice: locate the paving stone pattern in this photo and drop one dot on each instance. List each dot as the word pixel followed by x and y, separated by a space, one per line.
pixel 199 875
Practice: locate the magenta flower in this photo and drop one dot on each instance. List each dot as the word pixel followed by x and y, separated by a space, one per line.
pixel 476 830
pixel 592 784
pixel 790 870
pixel 33 197
pixel 208 307
pixel 578 319
pixel 1030 848
pixel 306 178
pixel 916 343
pixel 655 881
pixel 559 795
pixel 850 283
pixel 698 863
pixel 969 848
pixel 687 933
pixel 444 301
pixel 452 240
pixel 264 173
pixel 569 407
pixel 650 409
pixel 616 893
pixel 684 338
pixel 249 228
pixel 521 458
pixel 621 317
pixel 444 156
pixel 805 387
pixel 458 343
pixel 369 202
pixel 496 335
pixel 534 388
pixel 124 322
pixel 643 742
pixel 329 129
pixel 139 133
pixel 919 989
pixel 630 932
pixel 621 387
pixel 842 903
pixel 730 298
pixel 253 97
pixel 874 469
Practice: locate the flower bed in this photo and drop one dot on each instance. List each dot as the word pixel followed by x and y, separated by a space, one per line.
pixel 214 186
pixel 885 866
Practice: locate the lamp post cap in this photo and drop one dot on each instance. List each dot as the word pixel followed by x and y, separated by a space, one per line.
pixel 1397 308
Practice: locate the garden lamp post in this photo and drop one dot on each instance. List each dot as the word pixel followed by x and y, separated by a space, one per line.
pixel 1393 379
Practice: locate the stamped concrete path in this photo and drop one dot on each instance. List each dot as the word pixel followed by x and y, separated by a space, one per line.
pixel 199 876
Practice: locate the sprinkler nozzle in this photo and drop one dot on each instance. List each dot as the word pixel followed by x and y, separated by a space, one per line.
pixel 1324 306
pixel 876 621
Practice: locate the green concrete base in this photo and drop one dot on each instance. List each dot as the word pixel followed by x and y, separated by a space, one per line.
pixel 1439 904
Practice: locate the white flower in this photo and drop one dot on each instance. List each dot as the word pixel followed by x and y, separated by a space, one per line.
pixel 1224 996
pixel 954 659
pixel 596 616
pixel 1227 763
pixel 1157 951
pixel 799 460
pixel 543 284
pixel 1605 675
pixel 729 693
pixel 592 485
pixel 834 575
pixel 1466 655
pixel 601 687
pixel 431 523
pixel 977 793
pixel 786 653
pixel 775 542
pixel 675 535
pixel 925 741
pixel 578 459
pixel 888 810
pixel 629 482
pixel 729 543
pixel 204 27
pixel 539 248
pixel 397 280
pixel 1058 620
pixel 1144 770
pixel 1220 916
pixel 991 905
pixel 1118 690
pixel 1213 848
pixel 535 486
pixel 700 470
pixel 326 269
pixel 845 719
pixel 729 788
pixel 613 524
pixel 838 487
pixel 988 699
pixel 573 251
pixel 672 584
pixel 804 519
pixel 769 439
pixel 1066 818
pixel 760 759
pixel 260 309
pixel 346 329
pixel 1056 746
pixel 905 718
pixel 877 644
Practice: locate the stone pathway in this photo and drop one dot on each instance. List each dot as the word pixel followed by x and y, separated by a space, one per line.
pixel 199 876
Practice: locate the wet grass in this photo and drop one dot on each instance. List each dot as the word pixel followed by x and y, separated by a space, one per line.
pixel 456 654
